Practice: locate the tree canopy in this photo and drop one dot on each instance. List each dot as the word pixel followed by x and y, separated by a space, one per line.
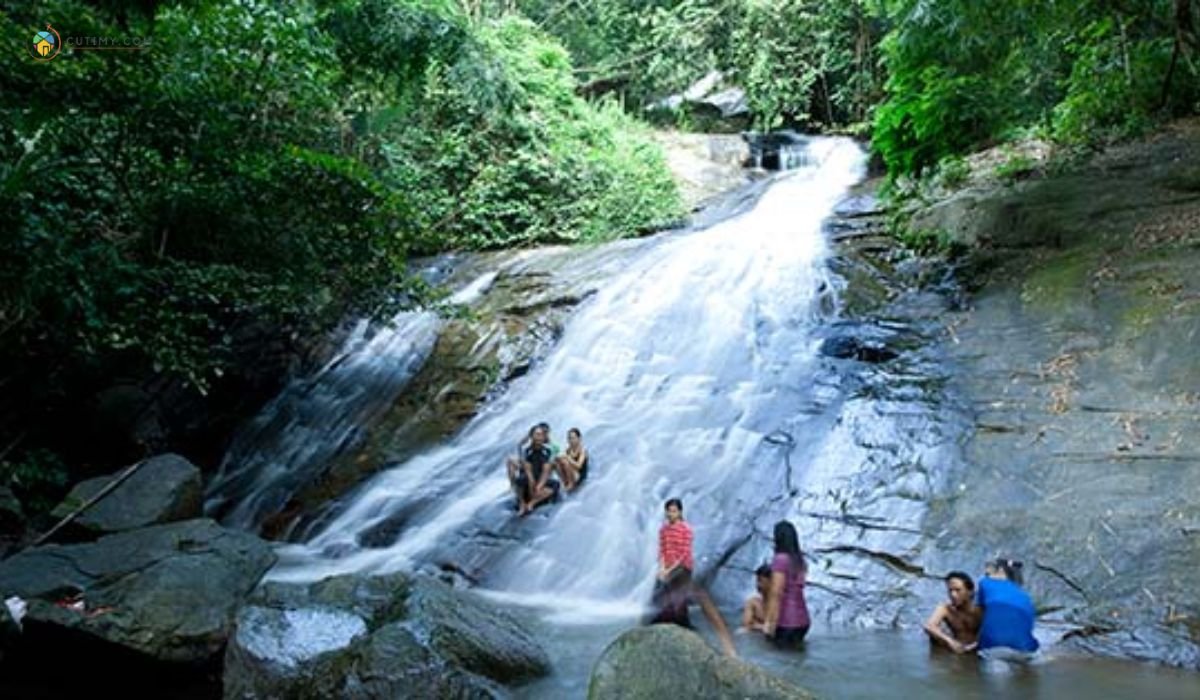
pixel 282 160
pixel 278 161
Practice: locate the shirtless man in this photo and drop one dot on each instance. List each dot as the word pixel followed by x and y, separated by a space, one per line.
pixel 955 623
pixel 754 612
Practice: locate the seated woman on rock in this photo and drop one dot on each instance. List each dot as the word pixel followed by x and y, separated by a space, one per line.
pixel 954 624
pixel 573 464
pixel 1006 633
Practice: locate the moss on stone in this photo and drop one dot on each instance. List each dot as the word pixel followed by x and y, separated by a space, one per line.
pixel 1059 282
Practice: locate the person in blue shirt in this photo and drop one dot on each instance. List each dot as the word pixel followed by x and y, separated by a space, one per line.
pixel 1006 633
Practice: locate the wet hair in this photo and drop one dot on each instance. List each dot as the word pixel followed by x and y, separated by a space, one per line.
pixel 961 576
pixel 788 542
pixel 673 502
pixel 533 429
pixel 1011 568
pixel 577 433
pixel 763 571
pixel 544 426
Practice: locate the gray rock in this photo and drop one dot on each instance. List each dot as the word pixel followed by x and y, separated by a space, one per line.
pixel 475 634
pixel 715 104
pixel 375 637
pixel 165 489
pixel 168 592
pixel 664 661
pixel 731 102
pixel 1075 354
pixel 851 348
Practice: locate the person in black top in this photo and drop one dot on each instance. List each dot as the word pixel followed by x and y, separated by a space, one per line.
pixel 530 475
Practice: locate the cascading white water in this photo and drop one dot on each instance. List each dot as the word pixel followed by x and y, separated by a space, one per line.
pixel 674 371
pixel 317 418
pixel 793 156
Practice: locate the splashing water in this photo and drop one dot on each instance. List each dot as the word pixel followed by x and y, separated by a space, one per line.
pixel 675 371
pixel 316 419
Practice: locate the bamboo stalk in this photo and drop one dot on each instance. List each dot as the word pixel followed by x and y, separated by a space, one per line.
pixel 108 488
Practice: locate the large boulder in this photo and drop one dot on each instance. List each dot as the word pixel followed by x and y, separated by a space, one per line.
pixel 165 489
pixel 166 593
pixel 711 104
pixel 1071 360
pixel 663 661
pixel 376 636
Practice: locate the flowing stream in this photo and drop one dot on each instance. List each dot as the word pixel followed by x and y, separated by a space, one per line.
pixel 675 372
pixel 694 372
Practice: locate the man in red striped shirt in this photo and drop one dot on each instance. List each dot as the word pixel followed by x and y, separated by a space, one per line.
pixel 674 543
pixel 674 588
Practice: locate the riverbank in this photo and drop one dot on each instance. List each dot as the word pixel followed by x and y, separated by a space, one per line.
pixel 910 414
pixel 1076 354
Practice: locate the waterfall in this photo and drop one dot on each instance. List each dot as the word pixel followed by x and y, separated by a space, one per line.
pixel 317 418
pixel 675 372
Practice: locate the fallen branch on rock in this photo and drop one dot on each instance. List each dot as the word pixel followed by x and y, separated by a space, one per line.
pixel 887 558
pixel 1064 578
pixel 866 522
pixel 108 488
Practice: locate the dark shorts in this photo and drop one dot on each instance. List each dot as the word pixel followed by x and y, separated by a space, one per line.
pixel 670 600
pixel 522 485
pixel 789 637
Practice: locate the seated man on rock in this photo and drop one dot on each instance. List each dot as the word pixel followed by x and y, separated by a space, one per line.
pixel 530 473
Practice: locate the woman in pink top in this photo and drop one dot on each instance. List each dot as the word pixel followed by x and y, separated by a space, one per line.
pixel 787 612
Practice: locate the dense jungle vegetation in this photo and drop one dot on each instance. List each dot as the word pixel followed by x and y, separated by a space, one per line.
pixel 282 160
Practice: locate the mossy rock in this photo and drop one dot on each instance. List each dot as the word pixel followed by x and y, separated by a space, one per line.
pixel 666 661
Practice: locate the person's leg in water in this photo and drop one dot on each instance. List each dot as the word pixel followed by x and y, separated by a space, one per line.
pixel 789 637
pixel 670 599
pixel 714 618
pixel 1004 659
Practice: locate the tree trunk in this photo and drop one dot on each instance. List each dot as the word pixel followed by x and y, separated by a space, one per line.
pixel 1185 39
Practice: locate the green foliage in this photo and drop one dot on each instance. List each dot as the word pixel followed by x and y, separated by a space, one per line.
pixel 952 172
pixel 278 161
pixel 1014 167
pixel 923 241
pixel 806 61
pixel 36 478
pixel 962 74
pixel 1115 85
pixel 495 148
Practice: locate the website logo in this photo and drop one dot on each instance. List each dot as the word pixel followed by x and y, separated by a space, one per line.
pixel 46 44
